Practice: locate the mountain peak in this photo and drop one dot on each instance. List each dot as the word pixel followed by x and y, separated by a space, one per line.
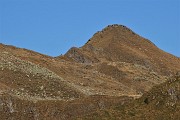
pixel 118 28
pixel 114 26
pixel 113 31
pixel 119 43
pixel 114 67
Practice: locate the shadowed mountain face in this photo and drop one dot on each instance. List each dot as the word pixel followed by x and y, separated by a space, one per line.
pixel 114 63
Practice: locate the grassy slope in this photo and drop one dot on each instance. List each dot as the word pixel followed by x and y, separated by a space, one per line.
pixel 160 103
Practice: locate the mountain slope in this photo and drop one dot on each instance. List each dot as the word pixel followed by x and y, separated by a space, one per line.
pixel 121 55
pixel 119 43
pixel 160 103
pixel 114 67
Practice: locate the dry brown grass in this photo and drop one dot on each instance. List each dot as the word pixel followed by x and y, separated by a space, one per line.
pixel 115 62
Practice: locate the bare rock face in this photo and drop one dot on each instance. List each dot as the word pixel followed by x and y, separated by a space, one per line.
pixel 114 67
pixel 78 56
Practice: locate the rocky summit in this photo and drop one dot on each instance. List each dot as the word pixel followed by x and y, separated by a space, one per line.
pixel 117 74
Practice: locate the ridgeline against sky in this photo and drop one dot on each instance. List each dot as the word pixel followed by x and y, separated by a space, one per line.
pixel 114 67
pixel 52 27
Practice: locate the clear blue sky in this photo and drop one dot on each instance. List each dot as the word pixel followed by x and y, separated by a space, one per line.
pixel 53 26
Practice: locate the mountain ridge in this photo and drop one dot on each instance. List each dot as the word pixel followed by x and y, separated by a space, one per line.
pixel 113 37
pixel 114 67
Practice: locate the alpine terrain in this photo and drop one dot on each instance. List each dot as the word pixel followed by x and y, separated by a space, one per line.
pixel 116 75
